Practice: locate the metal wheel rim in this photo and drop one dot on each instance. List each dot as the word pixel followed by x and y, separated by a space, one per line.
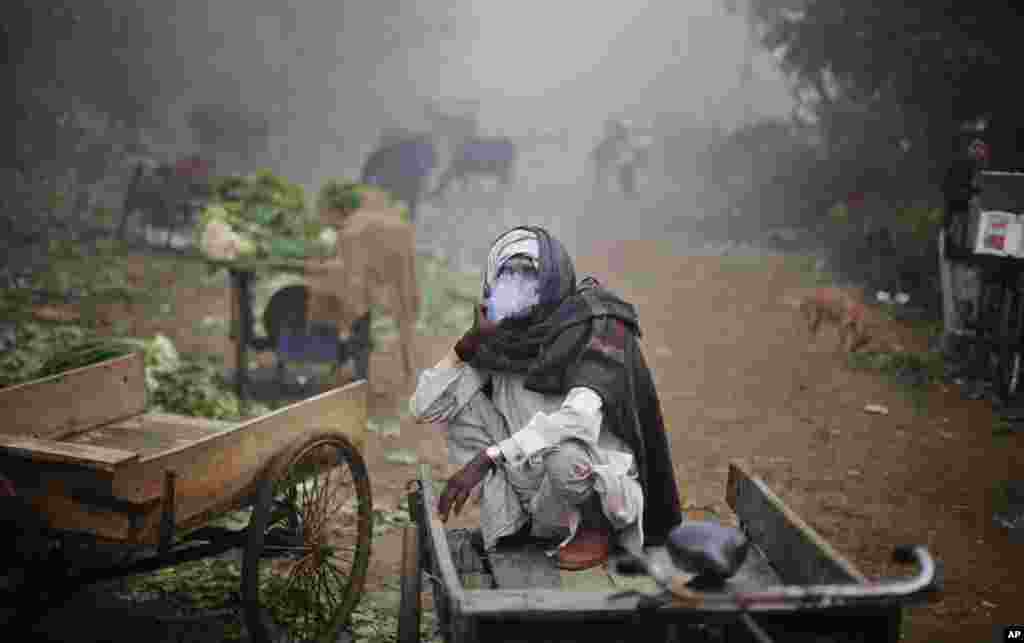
pixel 308 562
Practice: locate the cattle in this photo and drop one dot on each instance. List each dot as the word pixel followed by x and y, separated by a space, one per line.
pixel 401 167
pixel 480 156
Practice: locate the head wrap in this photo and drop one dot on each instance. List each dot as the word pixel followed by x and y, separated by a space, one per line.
pixel 556 274
pixel 584 335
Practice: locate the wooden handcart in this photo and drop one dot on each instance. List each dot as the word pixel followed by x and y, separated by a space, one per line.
pixel 792 585
pixel 91 464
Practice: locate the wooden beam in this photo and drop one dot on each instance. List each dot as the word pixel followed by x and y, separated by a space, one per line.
pixel 799 554
pixel 524 567
pixel 62 509
pixel 75 400
pixel 221 467
pixel 86 455
pixel 438 541
pixel 150 433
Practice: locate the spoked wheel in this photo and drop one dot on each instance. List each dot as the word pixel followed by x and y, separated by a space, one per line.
pixel 308 543
pixel 409 606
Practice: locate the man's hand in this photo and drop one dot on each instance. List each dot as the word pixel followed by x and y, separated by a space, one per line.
pixel 461 485
pixel 482 328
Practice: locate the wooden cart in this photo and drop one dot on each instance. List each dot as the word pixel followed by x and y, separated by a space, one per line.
pixel 792 585
pixel 88 460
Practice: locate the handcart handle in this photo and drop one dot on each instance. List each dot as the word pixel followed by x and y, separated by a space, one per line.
pixel 927 581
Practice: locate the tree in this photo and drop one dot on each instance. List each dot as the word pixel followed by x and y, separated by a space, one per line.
pixel 917 70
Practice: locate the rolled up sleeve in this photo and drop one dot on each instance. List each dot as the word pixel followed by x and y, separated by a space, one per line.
pixel 579 417
pixel 442 391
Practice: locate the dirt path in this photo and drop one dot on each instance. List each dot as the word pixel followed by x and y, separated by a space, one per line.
pixel 738 379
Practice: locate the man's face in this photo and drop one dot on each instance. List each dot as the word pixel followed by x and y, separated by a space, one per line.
pixel 515 290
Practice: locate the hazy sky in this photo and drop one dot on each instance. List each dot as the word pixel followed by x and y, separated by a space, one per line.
pixel 330 73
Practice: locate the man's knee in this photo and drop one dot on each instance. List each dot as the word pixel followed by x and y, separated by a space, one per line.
pixel 570 469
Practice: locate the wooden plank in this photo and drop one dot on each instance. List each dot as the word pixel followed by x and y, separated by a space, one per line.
pixel 270 266
pixel 136 439
pixel 57 503
pixel 546 603
pixel 86 455
pixel 169 420
pixel 595 579
pixel 570 630
pixel 447 587
pixel 523 567
pixel 796 551
pixel 75 400
pixel 437 542
pixel 150 433
pixel 466 546
pixel 216 471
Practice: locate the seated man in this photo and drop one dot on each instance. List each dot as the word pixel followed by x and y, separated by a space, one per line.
pixel 550 406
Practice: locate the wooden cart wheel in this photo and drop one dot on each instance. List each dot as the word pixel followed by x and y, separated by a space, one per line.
pixel 411 585
pixel 308 543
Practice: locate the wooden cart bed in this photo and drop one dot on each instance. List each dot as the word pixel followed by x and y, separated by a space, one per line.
pixel 507 594
pixel 82 448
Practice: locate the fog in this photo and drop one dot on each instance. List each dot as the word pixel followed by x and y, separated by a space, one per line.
pixel 327 75
pixel 320 69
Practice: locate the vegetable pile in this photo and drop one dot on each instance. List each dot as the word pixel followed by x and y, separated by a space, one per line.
pixel 175 384
pixel 346 197
pixel 260 216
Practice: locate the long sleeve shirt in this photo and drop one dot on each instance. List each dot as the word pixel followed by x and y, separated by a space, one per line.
pixel 525 424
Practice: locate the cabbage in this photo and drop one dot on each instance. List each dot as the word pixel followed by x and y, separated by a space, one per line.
pixel 328 238
pixel 247 247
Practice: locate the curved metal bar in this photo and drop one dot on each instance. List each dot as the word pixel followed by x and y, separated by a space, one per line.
pixel 796 596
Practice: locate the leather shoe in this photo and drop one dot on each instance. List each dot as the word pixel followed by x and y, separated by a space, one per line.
pixel 589 548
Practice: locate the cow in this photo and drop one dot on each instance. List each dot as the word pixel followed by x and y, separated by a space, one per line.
pixel 480 156
pixel 400 165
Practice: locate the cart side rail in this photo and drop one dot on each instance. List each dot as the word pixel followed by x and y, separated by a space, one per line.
pixel 215 474
pixel 57 406
pixel 797 552
pixel 224 463
pixel 448 592
pixel 56 452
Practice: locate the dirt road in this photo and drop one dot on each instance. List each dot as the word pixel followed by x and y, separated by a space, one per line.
pixel 738 379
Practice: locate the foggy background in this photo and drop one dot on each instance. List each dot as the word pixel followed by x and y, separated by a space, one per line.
pixel 305 87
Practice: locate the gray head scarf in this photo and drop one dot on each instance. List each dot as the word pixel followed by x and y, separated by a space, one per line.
pixel 555 275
